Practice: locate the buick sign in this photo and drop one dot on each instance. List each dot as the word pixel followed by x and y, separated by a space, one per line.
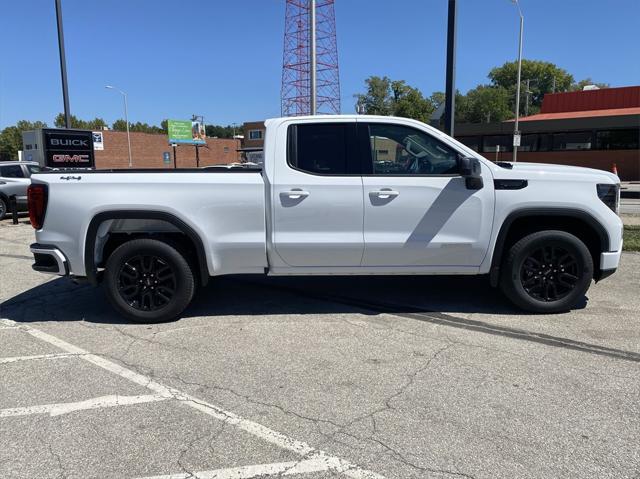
pixel 68 148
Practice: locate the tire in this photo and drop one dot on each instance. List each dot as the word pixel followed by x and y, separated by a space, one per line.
pixel 148 281
pixel 3 208
pixel 547 272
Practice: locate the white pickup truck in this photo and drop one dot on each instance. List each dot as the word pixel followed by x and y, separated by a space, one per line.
pixel 338 195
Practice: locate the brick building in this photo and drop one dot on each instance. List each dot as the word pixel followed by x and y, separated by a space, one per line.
pixel 147 151
pixel 253 141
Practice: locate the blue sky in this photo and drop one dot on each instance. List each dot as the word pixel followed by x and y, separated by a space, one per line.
pixel 223 59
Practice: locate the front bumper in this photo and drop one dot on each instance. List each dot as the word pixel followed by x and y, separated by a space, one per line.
pixel 49 259
pixel 609 263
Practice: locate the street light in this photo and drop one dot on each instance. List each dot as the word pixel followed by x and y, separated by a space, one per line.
pixel 126 119
pixel 515 127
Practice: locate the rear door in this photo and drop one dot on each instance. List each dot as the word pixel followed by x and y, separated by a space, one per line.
pixel 317 196
pixel 418 210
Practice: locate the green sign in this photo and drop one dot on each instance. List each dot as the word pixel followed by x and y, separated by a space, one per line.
pixel 186 131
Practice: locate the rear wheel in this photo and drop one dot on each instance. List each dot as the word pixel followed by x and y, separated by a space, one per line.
pixel 547 272
pixel 3 208
pixel 148 281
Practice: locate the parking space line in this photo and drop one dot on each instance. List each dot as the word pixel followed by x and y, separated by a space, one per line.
pixel 93 403
pixel 253 428
pixel 316 464
pixel 36 357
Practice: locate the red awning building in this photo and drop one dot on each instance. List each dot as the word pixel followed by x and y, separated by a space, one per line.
pixel 593 128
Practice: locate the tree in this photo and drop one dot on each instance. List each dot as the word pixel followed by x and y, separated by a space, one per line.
pixel 95 124
pixel 485 104
pixel 11 138
pixel 219 131
pixel 409 102
pixel 437 98
pixel 377 99
pixel 119 125
pixel 544 77
pixel 394 97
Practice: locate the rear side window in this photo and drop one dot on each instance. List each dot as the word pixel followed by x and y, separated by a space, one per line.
pixel 11 171
pixel 323 149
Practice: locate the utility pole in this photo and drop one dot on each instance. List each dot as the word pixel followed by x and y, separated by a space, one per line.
pixel 516 132
pixel 63 66
pixel 313 56
pixel 126 118
pixel 450 95
pixel 526 105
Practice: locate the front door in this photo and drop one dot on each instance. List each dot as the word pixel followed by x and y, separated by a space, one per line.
pixel 317 197
pixel 418 210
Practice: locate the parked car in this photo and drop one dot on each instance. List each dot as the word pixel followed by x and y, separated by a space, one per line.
pixel 322 206
pixel 14 180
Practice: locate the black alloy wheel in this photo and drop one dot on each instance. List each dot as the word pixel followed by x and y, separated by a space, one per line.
pixel 549 273
pixel 147 282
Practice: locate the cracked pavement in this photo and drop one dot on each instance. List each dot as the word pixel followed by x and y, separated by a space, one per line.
pixel 435 387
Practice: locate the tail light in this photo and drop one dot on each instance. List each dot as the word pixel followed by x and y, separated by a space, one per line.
pixel 37 201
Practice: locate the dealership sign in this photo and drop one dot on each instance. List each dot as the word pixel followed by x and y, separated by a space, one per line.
pixel 186 131
pixel 68 148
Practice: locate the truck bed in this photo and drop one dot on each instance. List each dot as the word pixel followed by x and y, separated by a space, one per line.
pixel 226 210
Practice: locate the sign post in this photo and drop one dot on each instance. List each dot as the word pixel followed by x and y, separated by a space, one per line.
pixel 175 159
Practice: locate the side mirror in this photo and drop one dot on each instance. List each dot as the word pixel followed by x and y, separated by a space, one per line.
pixel 469 167
pixel 471 171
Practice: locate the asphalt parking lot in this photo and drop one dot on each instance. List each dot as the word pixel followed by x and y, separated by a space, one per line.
pixel 398 377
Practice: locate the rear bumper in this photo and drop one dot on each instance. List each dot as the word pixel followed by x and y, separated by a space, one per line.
pixel 49 259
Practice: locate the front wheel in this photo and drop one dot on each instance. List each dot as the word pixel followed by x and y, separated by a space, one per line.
pixel 148 281
pixel 547 272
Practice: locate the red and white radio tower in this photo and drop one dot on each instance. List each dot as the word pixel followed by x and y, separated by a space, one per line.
pixel 297 94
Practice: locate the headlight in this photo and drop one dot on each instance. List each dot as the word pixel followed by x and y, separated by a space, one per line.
pixel 610 195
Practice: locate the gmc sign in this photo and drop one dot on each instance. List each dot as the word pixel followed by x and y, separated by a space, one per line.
pixel 68 148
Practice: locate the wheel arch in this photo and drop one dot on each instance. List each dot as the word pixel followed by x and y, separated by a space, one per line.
pixel 573 221
pixel 92 234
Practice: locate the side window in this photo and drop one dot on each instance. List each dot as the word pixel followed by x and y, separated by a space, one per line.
pixel 618 139
pixel 255 134
pixel 11 171
pixel 34 169
pixel 573 140
pixel 401 150
pixel 323 149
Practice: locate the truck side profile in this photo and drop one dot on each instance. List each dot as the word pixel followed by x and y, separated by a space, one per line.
pixel 338 195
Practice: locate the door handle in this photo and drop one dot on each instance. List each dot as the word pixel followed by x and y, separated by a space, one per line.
pixel 385 193
pixel 295 193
